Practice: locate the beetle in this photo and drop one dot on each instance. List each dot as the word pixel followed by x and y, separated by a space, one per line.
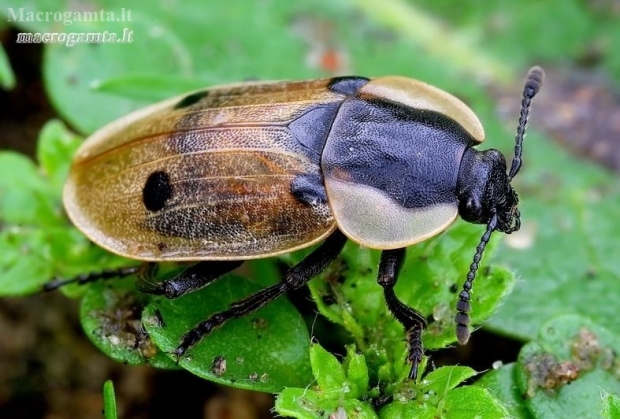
pixel 255 170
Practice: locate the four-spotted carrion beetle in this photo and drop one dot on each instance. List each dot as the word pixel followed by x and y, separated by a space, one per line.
pixel 254 170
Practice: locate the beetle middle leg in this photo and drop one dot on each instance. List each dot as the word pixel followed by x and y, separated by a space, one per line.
pixel 412 320
pixel 296 277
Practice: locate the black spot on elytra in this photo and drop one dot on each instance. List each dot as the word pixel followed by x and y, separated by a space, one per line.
pixel 157 190
pixel 189 100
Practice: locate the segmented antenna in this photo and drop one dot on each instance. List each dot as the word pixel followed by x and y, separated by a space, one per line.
pixel 533 81
pixel 464 306
pixel 532 85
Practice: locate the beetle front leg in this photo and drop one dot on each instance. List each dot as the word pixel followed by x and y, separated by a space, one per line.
pixel 412 320
pixel 295 278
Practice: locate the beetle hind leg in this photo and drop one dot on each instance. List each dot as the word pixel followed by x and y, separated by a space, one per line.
pixel 296 277
pixel 412 320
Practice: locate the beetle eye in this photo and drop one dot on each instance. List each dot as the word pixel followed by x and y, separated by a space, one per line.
pixel 474 207
pixel 471 210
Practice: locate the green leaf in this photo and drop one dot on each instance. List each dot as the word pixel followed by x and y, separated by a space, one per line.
pixel 462 402
pixel 148 87
pixel 444 379
pixel 350 296
pixel 473 402
pixel 421 28
pixel 428 399
pixel 569 350
pixel 54 147
pixel 335 392
pixel 109 401
pixel 264 351
pixel 72 73
pixel 308 404
pixel 570 210
pixel 112 317
pixel 31 220
pixel 36 240
pixel 611 406
pixel 7 78
pixel 328 372
pixel 502 383
pixel 357 373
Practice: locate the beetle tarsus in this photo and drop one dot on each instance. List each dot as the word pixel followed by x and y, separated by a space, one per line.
pixel 192 279
pixel 416 350
pixel 296 277
pixel 412 320
pixel 82 279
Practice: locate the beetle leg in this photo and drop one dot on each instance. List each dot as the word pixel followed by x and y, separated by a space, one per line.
pixel 296 277
pixel 194 278
pixel 412 320
pixel 82 279
pixel 309 188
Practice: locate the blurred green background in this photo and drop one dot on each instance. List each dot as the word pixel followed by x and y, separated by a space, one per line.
pixel 566 257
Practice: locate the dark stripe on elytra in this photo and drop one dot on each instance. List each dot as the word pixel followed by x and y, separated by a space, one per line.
pixel 191 99
pixel 348 85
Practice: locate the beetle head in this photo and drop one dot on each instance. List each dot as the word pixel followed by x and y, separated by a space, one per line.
pixel 484 190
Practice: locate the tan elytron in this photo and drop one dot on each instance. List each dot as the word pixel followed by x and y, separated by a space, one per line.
pixel 231 160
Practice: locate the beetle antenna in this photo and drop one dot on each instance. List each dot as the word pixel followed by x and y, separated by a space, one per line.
pixel 533 81
pixel 464 306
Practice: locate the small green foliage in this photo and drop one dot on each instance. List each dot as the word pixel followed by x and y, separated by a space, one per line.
pixel 112 317
pixel 264 351
pixel 338 389
pixel 36 239
pixel 611 406
pixel 150 88
pixel 109 401
pixel 569 371
pixel 429 281
pixel 563 372
pixel 501 382
pixel 7 78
